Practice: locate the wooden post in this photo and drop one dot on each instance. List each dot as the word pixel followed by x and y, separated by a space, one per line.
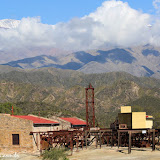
pixel 111 139
pixel 96 141
pixel 86 138
pixel 158 137
pixel 129 146
pixel 77 143
pixel 82 143
pixel 118 139
pixel 153 140
pixel 40 144
pixel 71 143
pixel 100 139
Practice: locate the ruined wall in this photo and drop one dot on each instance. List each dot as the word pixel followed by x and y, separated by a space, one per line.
pixel 11 125
pixel 64 125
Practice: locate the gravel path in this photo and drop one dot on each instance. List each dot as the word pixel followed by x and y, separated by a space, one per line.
pixel 107 153
pixel 21 156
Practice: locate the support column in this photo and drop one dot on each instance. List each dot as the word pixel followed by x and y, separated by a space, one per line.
pixel 119 138
pixel 100 139
pixel 111 139
pixel 130 142
pixel 153 140
pixel 86 138
pixel 158 137
pixel 96 140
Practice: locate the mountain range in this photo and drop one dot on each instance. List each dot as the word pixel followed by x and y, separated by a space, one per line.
pixel 138 61
pixel 36 81
pixel 61 92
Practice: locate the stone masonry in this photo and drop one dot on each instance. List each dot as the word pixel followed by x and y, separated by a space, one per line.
pixel 10 125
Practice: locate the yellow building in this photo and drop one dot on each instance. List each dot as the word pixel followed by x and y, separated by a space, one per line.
pixel 134 120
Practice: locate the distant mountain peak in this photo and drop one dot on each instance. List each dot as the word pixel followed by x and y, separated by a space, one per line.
pixel 138 61
pixel 9 23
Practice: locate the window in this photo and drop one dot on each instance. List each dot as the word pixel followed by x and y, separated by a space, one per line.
pixel 15 139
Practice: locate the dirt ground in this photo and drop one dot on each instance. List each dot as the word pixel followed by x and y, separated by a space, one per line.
pixel 105 153
pixel 108 153
pixel 21 156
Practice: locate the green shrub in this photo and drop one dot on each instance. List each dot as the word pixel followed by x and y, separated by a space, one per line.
pixel 55 154
pixel 7 108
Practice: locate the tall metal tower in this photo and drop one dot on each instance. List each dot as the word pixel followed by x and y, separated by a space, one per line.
pixel 90 112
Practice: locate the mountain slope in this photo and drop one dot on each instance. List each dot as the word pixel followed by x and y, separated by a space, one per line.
pixel 62 92
pixel 139 61
pixel 67 78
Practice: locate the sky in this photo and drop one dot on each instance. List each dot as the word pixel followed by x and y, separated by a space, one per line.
pixel 72 25
pixel 54 11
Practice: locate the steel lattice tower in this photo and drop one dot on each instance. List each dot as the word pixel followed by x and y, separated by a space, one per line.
pixel 90 111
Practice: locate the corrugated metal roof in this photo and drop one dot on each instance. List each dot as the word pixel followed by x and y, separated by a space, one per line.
pixel 74 121
pixel 36 120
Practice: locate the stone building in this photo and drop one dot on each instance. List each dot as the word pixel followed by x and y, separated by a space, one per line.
pixel 74 122
pixel 22 133
pixel 15 132
pixel 66 123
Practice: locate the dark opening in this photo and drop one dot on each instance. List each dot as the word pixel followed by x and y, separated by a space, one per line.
pixel 15 139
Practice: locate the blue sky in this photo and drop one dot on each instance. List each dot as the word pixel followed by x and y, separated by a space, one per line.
pixel 87 24
pixel 54 11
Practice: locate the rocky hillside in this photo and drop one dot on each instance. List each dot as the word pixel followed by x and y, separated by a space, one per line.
pixel 139 61
pixel 62 92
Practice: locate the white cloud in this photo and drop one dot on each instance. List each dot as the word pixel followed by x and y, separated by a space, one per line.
pixel 114 23
pixel 156 4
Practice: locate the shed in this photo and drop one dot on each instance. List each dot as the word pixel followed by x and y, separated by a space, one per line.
pixel 40 124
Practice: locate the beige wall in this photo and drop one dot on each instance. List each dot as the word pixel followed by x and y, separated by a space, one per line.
pixel 45 129
pixel 125 109
pixel 149 124
pixel 11 125
pixel 138 120
pixel 64 125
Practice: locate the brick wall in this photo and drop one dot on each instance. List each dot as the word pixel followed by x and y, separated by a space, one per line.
pixel 11 125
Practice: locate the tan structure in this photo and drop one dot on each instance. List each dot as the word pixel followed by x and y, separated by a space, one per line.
pixel 15 134
pixel 138 120
pixel 21 133
pixel 125 118
pixel 134 120
pixel 63 125
pixel 125 109
pixel 149 121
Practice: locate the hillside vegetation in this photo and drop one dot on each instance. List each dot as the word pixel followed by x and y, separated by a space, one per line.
pixel 50 91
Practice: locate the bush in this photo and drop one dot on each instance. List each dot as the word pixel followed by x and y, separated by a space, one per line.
pixel 7 108
pixel 55 154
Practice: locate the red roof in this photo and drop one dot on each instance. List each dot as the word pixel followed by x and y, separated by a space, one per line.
pixel 36 120
pixel 75 121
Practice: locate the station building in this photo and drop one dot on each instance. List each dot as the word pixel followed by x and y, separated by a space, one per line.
pixel 21 133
